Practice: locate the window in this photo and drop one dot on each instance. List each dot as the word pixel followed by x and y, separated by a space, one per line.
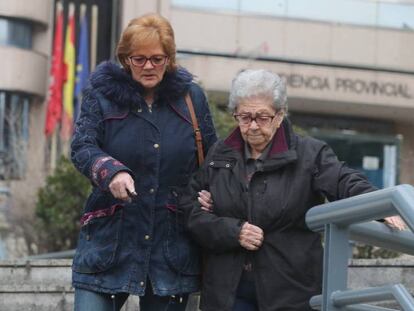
pixel 376 13
pixel 367 145
pixel 15 32
pixel 14 134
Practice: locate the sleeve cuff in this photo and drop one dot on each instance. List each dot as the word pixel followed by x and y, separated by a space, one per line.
pixel 104 169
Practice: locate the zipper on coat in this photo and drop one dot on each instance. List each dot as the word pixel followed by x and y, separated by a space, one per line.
pixel 249 206
pixel 248 259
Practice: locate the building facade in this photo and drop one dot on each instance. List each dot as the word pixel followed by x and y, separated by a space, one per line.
pixel 24 54
pixel 350 80
pixel 26 41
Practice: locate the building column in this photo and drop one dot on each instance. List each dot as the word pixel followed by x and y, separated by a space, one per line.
pixel 407 152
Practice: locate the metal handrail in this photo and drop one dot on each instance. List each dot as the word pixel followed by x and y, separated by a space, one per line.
pixel 352 218
pixel 316 302
pixel 365 207
pixel 397 291
pixel 55 255
pixel 378 234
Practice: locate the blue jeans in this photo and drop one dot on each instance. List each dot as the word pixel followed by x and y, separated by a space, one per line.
pixel 86 300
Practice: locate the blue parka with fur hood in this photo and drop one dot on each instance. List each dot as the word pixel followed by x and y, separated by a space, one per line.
pixel 124 245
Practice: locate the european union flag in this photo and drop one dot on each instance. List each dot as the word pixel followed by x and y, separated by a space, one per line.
pixel 82 66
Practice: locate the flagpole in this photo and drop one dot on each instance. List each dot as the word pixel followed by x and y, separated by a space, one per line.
pixel 53 151
pixel 82 12
pixel 94 36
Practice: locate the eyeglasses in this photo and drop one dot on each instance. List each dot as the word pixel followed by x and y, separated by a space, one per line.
pixel 155 60
pixel 247 118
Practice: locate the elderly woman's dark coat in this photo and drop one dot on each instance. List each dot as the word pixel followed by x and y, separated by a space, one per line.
pixel 298 174
pixel 122 245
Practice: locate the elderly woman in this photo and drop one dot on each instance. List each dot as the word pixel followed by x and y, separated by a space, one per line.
pixel 135 141
pixel 263 178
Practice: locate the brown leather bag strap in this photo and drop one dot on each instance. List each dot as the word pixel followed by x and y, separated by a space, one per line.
pixel 197 131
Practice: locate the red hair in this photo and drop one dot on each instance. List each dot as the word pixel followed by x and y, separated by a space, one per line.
pixel 143 31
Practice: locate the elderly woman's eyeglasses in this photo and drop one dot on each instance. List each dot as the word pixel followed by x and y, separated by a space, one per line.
pixel 261 120
pixel 155 60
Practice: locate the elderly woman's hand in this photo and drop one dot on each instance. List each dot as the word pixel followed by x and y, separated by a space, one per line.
pixel 395 222
pixel 251 237
pixel 204 197
pixel 121 184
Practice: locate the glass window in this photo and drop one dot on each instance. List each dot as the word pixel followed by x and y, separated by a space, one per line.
pixel 338 11
pixel 16 33
pixel 266 7
pixel 396 15
pixel 14 134
pixel 380 13
pixel 208 5
pixel 375 156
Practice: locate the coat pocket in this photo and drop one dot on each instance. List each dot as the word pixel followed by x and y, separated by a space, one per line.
pixel 99 240
pixel 181 252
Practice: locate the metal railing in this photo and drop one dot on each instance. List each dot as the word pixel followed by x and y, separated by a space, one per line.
pixel 353 218
pixel 55 255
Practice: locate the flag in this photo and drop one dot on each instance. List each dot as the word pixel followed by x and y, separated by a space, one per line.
pixel 69 86
pixel 54 102
pixel 82 67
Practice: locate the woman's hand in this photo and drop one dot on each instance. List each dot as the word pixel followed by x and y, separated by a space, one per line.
pixel 251 237
pixel 121 184
pixel 204 197
pixel 395 222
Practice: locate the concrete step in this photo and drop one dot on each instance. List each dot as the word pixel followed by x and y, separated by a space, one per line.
pixel 365 273
pixel 40 285
pixel 35 285
pixel 45 285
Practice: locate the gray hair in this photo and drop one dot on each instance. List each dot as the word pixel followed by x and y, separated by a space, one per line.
pixel 258 83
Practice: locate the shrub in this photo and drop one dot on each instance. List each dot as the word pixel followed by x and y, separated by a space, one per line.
pixel 59 206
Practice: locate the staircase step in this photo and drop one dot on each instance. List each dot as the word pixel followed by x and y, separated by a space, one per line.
pixel 45 285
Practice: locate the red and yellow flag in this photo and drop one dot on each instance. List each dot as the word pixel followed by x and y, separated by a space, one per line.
pixel 68 87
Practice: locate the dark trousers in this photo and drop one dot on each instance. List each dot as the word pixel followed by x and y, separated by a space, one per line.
pixel 151 302
pixel 246 299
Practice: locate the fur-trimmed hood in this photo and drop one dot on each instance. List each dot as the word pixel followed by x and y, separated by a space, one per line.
pixel 118 86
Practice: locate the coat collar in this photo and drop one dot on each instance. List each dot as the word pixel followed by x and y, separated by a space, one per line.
pixel 283 150
pixel 279 141
pixel 118 86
